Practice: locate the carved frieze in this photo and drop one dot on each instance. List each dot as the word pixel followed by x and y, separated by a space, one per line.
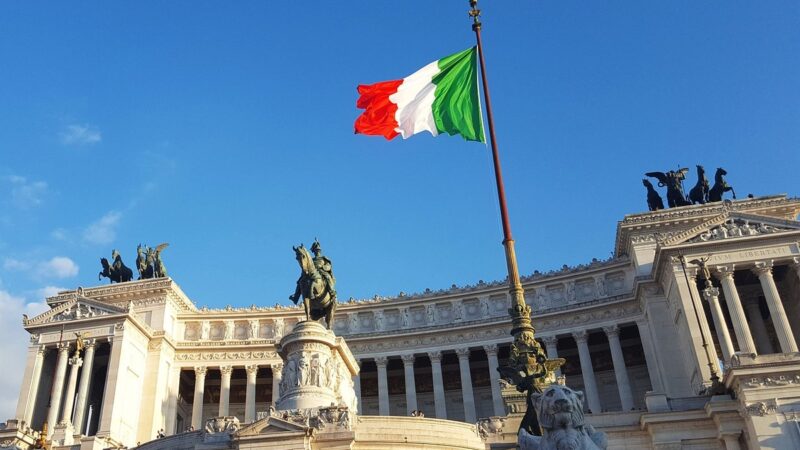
pixel 226 355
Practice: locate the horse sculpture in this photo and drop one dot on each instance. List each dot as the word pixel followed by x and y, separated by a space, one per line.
pixel 318 301
pixel 117 272
pixel 654 201
pixel 720 186
pixel 699 193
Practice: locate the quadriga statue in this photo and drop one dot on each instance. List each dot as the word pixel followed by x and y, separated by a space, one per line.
pixel 560 413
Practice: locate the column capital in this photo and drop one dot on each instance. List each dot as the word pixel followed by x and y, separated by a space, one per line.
pixel 75 361
pixel 63 347
pixel 200 371
pixel 550 341
pixel 463 353
pixel 612 331
pixel 580 336
pixel 277 368
pixel 435 356
pixel 407 359
pixel 251 369
pixel 710 292
pixel 724 272
pixel 89 343
pixel 490 349
pixel 381 361
pixel 225 370
pixel 763 268
pixel 796 259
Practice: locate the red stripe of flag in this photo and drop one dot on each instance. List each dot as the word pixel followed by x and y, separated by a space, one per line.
pixel 378 117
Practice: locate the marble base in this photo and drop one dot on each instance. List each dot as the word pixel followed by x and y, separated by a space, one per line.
pixel 318 370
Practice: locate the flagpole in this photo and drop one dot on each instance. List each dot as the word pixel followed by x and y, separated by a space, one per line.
pixel 527 356
pixel 520 312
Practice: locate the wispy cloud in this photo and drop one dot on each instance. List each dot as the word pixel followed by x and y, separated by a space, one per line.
pixel 16 264
pixel 48 291
pixel 26 193
pixel 12 307
pixel 80 135
pixel 104 230
pixel 57 267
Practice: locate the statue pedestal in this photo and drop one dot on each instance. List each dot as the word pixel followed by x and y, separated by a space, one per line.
pixel 318 370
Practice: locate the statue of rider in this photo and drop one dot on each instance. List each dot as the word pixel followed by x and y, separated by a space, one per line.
pixel 324 267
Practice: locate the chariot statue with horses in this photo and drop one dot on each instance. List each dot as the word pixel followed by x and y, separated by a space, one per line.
pixel 116 272
pixel 316 284
pixel 701 193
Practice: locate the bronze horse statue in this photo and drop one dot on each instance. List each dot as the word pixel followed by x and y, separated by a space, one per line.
pixel 720 187
pixel 117 272
pixel 699 193
pixel 317 299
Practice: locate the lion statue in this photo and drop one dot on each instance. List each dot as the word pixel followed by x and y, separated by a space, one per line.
pixel 560 413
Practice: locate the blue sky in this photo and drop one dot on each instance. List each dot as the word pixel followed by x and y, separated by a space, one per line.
pixel 227 131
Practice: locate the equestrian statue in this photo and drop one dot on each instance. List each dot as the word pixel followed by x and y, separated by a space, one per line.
pixel 316 284
pixel 654 201
pixel 673 180
pixel 116 272
pixel 720 187
pixel 149 263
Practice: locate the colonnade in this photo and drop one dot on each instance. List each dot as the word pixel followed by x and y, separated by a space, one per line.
pixel 63 386
pixel 749 329
pixel 225 390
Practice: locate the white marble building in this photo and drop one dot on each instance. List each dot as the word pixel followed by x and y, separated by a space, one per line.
pixel 631 329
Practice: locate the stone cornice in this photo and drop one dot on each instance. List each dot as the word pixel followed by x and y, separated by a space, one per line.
pixel 136 291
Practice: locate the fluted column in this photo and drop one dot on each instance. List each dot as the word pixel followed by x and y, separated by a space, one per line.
pixel 197 400
pixel 551 346
pixel 589 382
pixel 69 400
pixel 470 416
pixel 779 319
pixel 383 385
pixel 250 393
pixel 29 391
pixel 620 371
pixel 411 386
pixel 494 380
pixel 650 356
pixel 711 294
pixel 357 387
pixel 740 326
pixel 83 387
pixel 438 384
pixel 58 387
pixel 225 390
pixel 760 334
pixel 277 376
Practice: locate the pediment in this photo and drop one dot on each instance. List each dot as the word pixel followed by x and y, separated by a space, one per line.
pixel 273 425
pixel 732 225
pixel 76 309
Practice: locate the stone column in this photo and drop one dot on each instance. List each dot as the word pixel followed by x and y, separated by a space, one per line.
pixel 357 387
pixel 225 390
pixel 83 387
pixel 650 356
pixel 551 345
pixel 58 387
pixel 760 334
pixel 277 376
pixel 197 400
pixel 711 295
pixel 250 394
pixel 494 379
pixel 740 326
pixel 411 387
pixel 383 385
pixel 470 416
pixel 779 319
pixel 69 401
pixel 438 384
pixel 589 383
pixel 30 387
pixel 620 371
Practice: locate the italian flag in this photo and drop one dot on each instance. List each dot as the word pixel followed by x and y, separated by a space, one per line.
pixel 442 97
